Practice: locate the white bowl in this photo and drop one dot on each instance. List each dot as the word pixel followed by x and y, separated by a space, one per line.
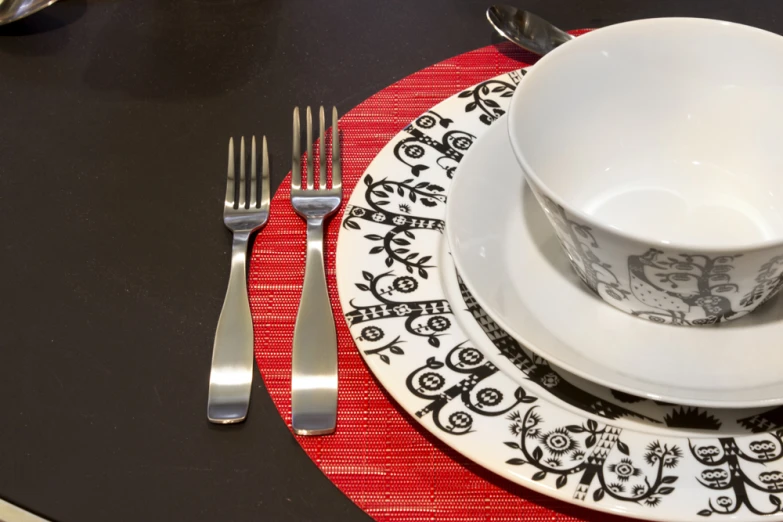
pixel 656 149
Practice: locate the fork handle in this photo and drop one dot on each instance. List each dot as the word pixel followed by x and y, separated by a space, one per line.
pixel 314 360
pixel 232 355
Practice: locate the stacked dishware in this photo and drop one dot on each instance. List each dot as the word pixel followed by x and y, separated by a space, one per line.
pixel 568 273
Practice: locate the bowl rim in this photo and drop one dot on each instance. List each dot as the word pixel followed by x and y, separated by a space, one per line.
pixel 573 45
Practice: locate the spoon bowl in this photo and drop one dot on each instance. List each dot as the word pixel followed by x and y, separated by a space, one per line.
pixel 12 10
pixel 525 29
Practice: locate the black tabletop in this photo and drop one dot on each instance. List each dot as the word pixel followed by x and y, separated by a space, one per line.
pixel 114 119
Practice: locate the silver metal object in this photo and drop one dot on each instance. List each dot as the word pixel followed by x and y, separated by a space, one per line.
pixel 246 210
pixel 525 29
pixel 314 364
pixel 12 10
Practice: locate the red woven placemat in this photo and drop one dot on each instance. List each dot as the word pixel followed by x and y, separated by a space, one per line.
pixel 380 457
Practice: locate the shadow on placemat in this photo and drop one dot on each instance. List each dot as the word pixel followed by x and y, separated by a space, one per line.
pixel 510 50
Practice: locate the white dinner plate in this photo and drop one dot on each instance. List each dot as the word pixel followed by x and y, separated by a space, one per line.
pixel 509 257
pixel 590 452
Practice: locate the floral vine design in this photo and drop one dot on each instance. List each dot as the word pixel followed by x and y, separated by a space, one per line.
pixel 587 450
pixel 393 347
pixel 396 242
pixel 415 151
pixel 728 468
pixel 473 388
pixel 481 97
pixel 423 318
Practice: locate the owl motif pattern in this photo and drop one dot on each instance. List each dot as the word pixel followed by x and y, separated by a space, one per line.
pixel 673 287
pixel 663 287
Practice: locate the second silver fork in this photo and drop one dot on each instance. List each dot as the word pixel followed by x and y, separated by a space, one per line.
pixel 314 358
pixel 245 210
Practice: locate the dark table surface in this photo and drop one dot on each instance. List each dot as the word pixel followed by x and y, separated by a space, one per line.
pixel 113 126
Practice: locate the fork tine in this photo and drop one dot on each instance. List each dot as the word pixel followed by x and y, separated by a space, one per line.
pixel 264 175
pixel 230 185
pixel 242 187
pixel 337 165
pixel 321 150
pixel 252 195
pixel 309 148
pixel 296 167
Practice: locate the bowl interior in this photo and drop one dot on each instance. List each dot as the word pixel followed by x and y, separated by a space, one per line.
pixel 670 130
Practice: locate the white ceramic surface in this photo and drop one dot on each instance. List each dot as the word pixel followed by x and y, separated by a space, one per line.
pixel 509 257
pixel 404 327
pixel 654 146
pixel 581 395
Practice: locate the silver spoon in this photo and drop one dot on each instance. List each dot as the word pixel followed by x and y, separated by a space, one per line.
pixel 525 29
pixel 11 10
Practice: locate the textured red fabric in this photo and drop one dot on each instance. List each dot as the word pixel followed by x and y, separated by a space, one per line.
pixel 379 456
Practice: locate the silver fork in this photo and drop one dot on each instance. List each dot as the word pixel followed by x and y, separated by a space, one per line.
pixel 314 360
pixel 244 212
